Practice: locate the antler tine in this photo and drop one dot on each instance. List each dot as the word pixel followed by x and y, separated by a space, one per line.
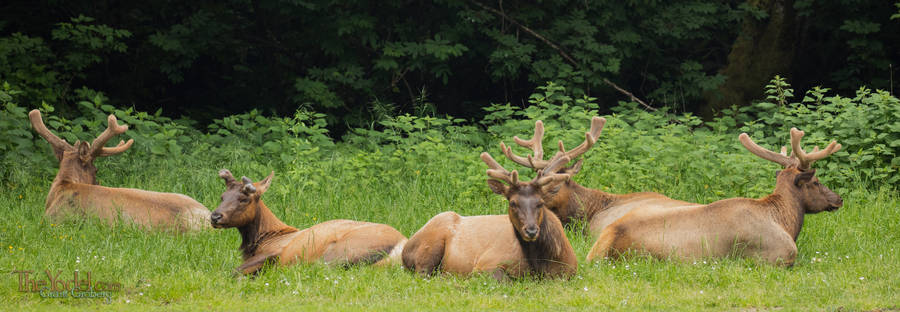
pixel 805 160
pixel 37 122
pixel 590 138
pixel 497 171
pixel 781 159
pixel 550 174
pixel 112 129
pixel 534 161
pixel 248 185
pixel 226 175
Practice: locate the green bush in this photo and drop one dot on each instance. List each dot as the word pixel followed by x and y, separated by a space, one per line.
pixel 867 125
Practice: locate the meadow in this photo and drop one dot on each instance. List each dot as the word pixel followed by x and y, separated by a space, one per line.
pixel 409 169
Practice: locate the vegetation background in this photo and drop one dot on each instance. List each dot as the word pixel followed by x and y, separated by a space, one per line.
pixel 378 112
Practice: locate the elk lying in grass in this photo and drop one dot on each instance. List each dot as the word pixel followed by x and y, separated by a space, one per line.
pixel 75 191
pixel 572 201
pixel 764 228
pixel 529 239
pixel 265 239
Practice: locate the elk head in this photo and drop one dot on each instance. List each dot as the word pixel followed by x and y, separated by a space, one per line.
pixel 798 177
pixel 77 162
pixel 240 201
pixel 556 197
pixel 526 199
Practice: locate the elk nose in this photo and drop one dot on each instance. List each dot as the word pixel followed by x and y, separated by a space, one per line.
pixel 215 217
pixel 531 231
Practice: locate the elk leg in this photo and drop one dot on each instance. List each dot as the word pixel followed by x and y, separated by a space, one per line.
pixel 356 251
pixel 778 249
pixel 603 247
pixel 424 257
pixel 424 251
pixel 252 265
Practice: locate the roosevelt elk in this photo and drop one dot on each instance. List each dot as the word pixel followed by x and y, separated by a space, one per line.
pixel 528 239
pixel 764 228
pixel 264 238
pixel 573 201
pixel 75 191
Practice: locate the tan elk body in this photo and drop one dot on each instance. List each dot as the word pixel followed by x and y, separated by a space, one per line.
pixel 529 239
pixel 75 193
pixel 575 202
pixel 265 239
pixel 765 228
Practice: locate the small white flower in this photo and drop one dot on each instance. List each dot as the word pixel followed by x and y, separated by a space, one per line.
pixel 295 292
pixel 127 301
pixel 861 278
pixel 147 285
pixel 585 289
pixel 267 284
pixel 140 294
pixel 701 291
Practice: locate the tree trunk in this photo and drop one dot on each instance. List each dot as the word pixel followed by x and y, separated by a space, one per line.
pixel 764 48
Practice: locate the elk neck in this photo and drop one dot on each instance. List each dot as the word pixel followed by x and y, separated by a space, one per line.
pixel 785 207
pixel 264 227
pixel 584 202
pixel 551 249
pixel 71 171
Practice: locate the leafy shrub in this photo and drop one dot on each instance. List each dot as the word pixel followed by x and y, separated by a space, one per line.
pixel 867 125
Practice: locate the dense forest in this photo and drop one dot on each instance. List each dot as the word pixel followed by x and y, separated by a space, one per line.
pixel 358 61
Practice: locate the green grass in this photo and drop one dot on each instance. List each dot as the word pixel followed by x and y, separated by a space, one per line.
pixel 848 259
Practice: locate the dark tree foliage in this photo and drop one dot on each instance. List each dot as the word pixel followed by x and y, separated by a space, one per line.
pixel 357 61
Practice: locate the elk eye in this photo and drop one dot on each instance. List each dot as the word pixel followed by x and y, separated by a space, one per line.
pixel 245 200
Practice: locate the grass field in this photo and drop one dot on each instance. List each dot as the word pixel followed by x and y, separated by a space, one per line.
pixel 848 259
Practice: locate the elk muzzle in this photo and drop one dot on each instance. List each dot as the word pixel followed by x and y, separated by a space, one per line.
pixel 214 219
pixel 531 233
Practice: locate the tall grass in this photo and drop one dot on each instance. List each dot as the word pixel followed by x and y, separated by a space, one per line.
pixel 406 170
pixel 847 258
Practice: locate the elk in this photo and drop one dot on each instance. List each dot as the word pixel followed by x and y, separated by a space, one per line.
pixel 528 239
pixel 76 193
pixel 571 201
pixel 765 228
pixel 265 239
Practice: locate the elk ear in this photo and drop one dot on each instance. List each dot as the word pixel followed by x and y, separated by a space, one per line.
pixel 777 172
pixel 497 186
pixel 84 151
pixel 263 185
pixel 804 177
pixel 574 169
pixel 552 189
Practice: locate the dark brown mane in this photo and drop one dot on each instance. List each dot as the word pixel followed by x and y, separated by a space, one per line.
pixel 264 226
pixel 545 254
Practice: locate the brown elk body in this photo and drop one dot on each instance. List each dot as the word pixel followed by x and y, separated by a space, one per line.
pixel 528 240
pixel 75 193
pixel 575 202
pixel 765 228
pixel 265 239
